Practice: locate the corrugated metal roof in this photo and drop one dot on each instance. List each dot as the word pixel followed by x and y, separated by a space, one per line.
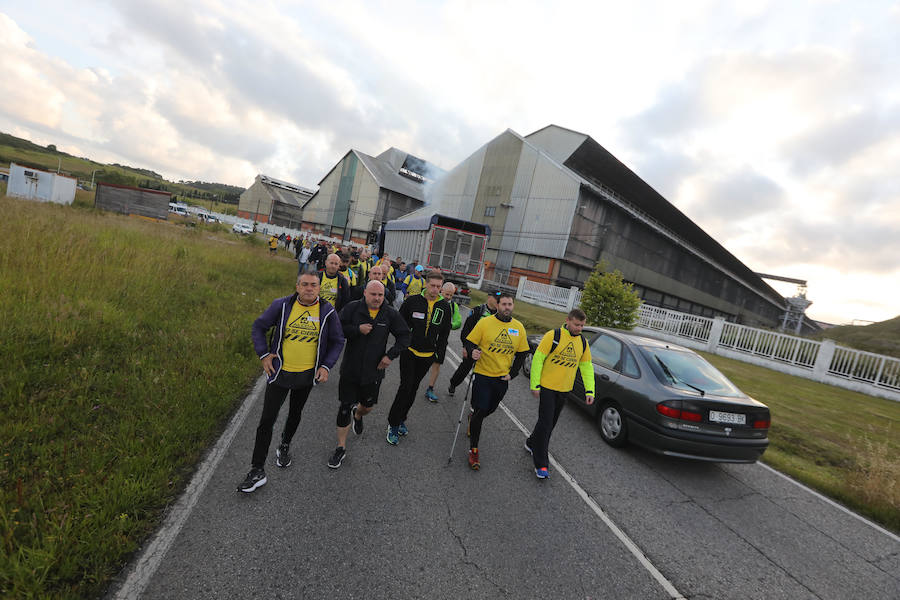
pixel 285 196
pixel 387 176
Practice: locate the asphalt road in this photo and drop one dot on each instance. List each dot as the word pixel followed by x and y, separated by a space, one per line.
pixel 400 522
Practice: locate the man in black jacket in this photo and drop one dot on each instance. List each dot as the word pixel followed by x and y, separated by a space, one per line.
pixel 377 273
pixel 366 325
pixel 333 286
pixel 429 318
pixel 489 308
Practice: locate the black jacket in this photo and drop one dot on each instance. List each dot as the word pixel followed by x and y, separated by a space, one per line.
pixel 343 295
pixel 363 352
pixel 475 315
pixel 414 311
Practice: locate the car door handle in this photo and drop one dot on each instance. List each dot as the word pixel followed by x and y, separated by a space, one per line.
pixel 604 377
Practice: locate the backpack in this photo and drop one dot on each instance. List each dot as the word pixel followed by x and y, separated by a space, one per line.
pixel 557 333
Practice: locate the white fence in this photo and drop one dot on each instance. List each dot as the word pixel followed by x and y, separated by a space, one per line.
pixel 550 296
pixel 824 361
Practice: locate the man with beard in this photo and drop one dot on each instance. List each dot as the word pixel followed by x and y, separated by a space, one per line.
pixel 334 287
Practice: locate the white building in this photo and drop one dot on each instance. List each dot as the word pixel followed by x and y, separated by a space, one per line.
pixel 34 184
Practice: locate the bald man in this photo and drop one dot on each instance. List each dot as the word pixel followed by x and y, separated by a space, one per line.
pixel 377 273
pixel 366 324
pixel 447 291
pixel 333 286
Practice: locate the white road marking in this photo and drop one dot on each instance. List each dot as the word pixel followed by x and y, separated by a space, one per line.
pixel 145 566
pixel 623 537
pixel 841 507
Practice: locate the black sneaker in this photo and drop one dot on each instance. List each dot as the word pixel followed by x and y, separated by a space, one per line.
pixel 357 423
pixel 283 456
pixel 337 458
pixel 255 478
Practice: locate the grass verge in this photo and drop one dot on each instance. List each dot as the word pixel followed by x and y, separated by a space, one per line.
pixel 842 443
pixel 126 346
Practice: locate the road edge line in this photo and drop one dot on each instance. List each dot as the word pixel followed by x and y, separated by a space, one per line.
pixel 142 570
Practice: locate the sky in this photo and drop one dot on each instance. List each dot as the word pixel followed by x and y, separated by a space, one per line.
pixel 774 125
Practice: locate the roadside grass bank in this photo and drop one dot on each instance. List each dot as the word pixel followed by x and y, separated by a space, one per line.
pixel 841 443
pixel 126 347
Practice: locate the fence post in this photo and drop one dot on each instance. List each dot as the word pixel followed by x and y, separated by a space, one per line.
pixel 521 289
pixel 715 334
pixel 823 358
pixel 570 301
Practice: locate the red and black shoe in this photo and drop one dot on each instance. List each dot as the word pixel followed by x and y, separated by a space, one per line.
pixel 473 459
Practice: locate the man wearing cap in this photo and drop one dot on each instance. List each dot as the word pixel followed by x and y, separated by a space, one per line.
pixel 414 283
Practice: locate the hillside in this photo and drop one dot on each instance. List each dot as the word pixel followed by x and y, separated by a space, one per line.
pixel 25 152
pixel 880 338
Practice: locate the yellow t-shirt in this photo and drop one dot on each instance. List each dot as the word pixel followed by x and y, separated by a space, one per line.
pixel 373 312
pixel 328 289
pixel 273 242
pixel 301 338
pixel 499 342
pixel 560 367
pixel 414 285
pixel 431 304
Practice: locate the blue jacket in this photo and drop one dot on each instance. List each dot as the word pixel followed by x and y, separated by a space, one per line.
pixel 331 335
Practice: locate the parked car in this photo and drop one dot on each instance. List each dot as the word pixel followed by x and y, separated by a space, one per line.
pixel 668 399
pixel 178 209
pixel 242 228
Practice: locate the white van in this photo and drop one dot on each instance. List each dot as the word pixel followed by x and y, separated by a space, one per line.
pixel 178 209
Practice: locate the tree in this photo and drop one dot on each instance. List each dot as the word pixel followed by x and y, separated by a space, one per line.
pixel 608 301
pixel 51 147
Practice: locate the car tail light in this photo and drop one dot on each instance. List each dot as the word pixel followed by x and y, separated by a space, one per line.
pixel 687 415
pixel 762 424
pixel 668 411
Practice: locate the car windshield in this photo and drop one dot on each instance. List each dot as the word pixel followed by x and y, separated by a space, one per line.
pixel 688 371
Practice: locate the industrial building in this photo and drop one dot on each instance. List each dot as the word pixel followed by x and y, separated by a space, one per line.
pixel 128 200
pixel 44 186
pixel 361 192
pixel 557 202
pixel 270 200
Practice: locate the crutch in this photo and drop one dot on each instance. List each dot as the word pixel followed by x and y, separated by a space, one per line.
pixel 461 411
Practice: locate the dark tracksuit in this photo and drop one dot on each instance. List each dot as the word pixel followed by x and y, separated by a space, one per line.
pixel 331 342
pixel 466 364
pixel 360 375
pixel 424 337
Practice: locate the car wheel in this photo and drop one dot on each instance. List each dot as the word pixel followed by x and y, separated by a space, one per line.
pixel 613 428
pixel 526 366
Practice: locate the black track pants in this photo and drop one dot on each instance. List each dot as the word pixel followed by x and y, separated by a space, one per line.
pixel 551 404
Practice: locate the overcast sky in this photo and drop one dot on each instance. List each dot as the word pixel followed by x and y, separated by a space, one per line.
pixel 773 125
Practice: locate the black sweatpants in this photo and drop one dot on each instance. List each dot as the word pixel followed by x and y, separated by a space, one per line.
pixel 551 404
pixel 462 370
pixel 487 392
pixel 412 370
pixel 299 386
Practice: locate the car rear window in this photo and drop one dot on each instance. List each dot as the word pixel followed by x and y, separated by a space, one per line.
pixel 687 369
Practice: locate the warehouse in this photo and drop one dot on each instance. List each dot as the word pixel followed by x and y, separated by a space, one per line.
pixel 270 200
pixel 557 202
pixel 361 192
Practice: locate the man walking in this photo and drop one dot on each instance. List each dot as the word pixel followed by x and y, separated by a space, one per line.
pixel 499 346
pixel 304 347
pixel 488 309
pixel 447 291
pixel 428 317
pixel 303 257
pixel 334 287
pixel 366 324
pixel 560 354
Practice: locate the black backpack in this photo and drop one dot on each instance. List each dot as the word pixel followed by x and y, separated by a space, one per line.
pixel 557 333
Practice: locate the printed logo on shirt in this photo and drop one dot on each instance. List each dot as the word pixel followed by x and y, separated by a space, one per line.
pixel 565 357
pixel 513 331
pixel 303 328
pixel 502 344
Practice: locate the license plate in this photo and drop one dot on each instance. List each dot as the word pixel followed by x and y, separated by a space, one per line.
pixel 726 417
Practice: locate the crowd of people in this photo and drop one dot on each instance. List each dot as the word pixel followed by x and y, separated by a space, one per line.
pixel 376 311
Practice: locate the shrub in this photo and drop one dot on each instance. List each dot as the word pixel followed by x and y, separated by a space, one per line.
pixel 608 301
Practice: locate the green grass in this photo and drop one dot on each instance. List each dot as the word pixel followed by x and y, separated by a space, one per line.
pixel 880 338
pixel 126 347
pixel 841 443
